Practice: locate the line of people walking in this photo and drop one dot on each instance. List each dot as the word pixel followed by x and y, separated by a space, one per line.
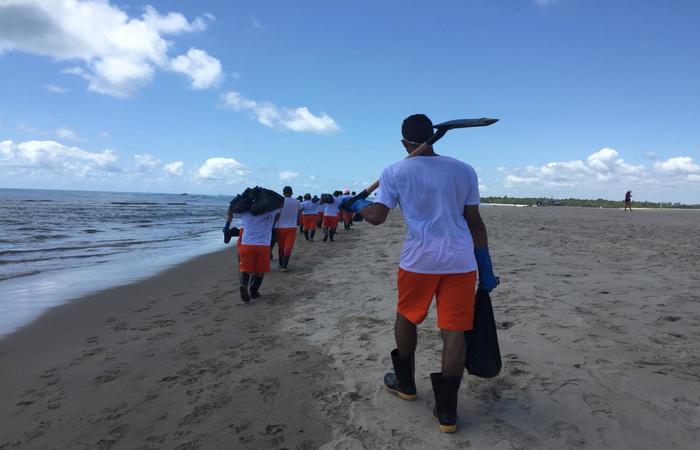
pixel 260 232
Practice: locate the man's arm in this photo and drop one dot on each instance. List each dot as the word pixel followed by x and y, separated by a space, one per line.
pixel 487 280
pixel 476 226
pixel 375 214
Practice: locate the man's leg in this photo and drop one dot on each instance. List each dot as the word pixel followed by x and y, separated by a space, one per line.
pixel 453 353
pixel 255 285
pixel 406 335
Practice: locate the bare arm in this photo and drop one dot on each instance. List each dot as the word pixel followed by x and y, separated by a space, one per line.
pixel 375 214
pixel 476 226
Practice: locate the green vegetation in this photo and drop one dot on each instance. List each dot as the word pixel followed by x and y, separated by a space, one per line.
pixel 598 203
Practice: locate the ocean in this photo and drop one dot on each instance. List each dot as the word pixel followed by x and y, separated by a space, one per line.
pixel 59 245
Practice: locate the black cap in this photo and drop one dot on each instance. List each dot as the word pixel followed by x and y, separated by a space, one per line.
pixel 417 128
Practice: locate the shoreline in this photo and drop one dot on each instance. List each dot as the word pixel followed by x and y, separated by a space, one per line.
pixel 160 363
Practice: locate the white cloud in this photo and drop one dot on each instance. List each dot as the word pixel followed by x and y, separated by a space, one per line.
pixel 682 165
pixel 68 134
pixel 104 135
pixel 202 69
pixel 115 53
pixel 602 172
pixel 287 175
pixel 296 119
pixel 54 157
pixel 545 2
pixel 221 169
pixel 56 89
pixel 174 169
pixel 146 162
pixel 599 167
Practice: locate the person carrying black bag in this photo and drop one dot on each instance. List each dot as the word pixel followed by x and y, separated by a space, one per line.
pixel 445 245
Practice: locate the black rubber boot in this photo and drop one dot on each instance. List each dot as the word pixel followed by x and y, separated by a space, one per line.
pixel 255 286
pixel 245 281
pixel 332 234
pixel 445 410
pixel 285 264
pixel 312 234
pixel 306 234
pixel 325 235
pixel 402 380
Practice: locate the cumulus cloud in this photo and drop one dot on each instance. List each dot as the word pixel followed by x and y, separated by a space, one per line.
pixel 174 169
pixel 203 70
pixel 146 162
pixel 599 167
pixel 221 169
pixel 295 119
pixel 68 134
pixel 115 53
pixel 682 165
pixel 56 89
pixel 287 175
pixel 57 158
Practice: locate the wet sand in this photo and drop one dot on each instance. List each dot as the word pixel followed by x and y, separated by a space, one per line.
pixel 599 317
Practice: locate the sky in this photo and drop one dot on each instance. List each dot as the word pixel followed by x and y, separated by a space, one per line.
pixel 594 97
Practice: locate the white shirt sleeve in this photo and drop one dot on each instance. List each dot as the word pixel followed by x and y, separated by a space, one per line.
pixel 473 197
pixel 388 193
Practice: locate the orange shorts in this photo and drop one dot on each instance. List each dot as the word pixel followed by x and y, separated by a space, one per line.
pixel 454 294
pixel 254 258
pixel 330 221
pixel 310 221
pixel 286 238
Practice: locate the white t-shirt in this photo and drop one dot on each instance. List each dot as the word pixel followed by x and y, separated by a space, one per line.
pixel 432 192
pixel 308 207
pixel 257 230
pixel 288 213
pixel 331 209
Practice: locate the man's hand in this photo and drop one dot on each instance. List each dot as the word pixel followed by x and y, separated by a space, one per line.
pixel 487 280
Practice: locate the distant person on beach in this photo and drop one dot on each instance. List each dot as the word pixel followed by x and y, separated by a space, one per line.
pixel 253 251
pixel 346 215
pixel 628 200
pixel 445 245
pixel 330 217
pixel 287 228
pixel 309 212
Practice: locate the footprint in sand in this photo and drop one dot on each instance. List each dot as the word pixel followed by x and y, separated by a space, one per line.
pixel 268 387
pixel 598 405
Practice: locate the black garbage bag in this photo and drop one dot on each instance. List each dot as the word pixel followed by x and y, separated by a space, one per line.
pixel 229 233
pixel 242 202
pixel 265 200
pixel 483 354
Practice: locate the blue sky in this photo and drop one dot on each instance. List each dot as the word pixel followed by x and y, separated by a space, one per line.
pixel 594 97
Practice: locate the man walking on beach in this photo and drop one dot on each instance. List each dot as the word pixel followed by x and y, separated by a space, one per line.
pixel 628 200
pixel 309 211
pixel 287 227
pixel 330 217
pixel 445 245
pixel 253 252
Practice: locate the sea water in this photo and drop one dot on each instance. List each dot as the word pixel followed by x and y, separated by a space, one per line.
pixel 59 245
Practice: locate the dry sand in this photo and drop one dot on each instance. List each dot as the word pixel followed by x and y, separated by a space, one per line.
pixel 599 317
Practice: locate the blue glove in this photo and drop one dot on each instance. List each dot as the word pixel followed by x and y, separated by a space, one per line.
pixel 357 205
pixel 487 280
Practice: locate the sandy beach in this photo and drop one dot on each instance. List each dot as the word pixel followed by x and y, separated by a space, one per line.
pixel 599 317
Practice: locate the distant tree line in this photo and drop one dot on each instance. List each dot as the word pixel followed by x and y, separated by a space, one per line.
pixel 598 203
